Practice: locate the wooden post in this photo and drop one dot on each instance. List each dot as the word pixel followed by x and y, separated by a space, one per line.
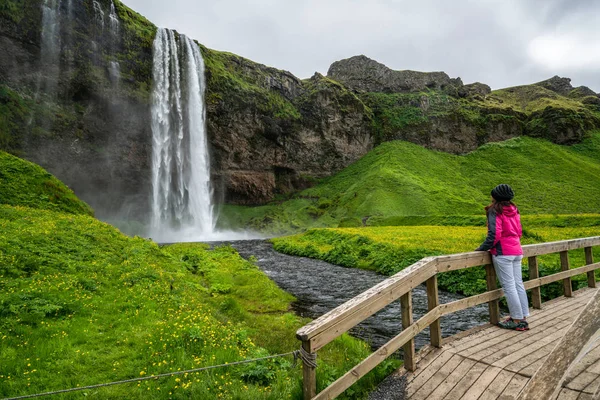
pixel 534 272
pixel 309 376
pixel 407 320
pixel 589 259
pixel 435 332
pixel 564 266
pixel 490 277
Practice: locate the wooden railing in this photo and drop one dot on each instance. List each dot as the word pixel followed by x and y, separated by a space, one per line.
pixel 326 328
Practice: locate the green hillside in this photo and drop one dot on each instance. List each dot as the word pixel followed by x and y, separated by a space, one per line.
pixel 24 183
pixel 399 179
pixel 82 304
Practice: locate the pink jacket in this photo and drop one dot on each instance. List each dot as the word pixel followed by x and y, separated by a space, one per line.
pixel 504 233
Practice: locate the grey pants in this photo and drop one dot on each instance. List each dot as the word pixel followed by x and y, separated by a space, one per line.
pixel 508 269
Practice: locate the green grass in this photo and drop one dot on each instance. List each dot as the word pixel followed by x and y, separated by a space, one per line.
pixel 531 98
pixel 389 250
pixel 80 304
pixel 24 183
pixel 399 180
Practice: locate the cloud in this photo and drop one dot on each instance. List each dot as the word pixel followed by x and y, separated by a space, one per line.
pixel 498 42
pixel 566 52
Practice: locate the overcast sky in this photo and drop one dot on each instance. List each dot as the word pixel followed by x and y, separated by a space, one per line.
pixel 499 42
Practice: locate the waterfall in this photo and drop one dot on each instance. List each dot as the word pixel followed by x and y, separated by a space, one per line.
pixel 50 46
pixel 114 68
pixel 181 191
pixel 113 19
pixel 98 13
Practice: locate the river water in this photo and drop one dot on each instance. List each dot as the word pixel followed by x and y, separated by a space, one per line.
pixel 320 287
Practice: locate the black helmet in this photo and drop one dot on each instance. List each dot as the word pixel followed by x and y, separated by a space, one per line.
pixel 503 192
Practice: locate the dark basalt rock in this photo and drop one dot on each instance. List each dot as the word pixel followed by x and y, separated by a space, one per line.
pixel 582 91
pixel 557 84
pixel 363 74
pixel 477 90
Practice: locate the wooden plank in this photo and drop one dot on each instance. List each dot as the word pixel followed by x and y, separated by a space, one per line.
pixel 495 337
pixel 582 381
pixel 482 383
pixel 564 265
pixel 510 344
pixel 555 247
pixel 468 302
pixel 514 387
pixel 433 300
pixel 452 380
pixel 406 311
pixel 560 276
pixel 493 305
pixel 533 361
pixel 371 300
pixel 589 259
pixel 467 381
pixel 536 293
pixel 429 386
pixel 552 372
pixel 432 354
pixel 415 384
pixel 594 387
pixel 458 261
pixel 590 362
pixel 309 378
pixel 466 260
pixel 495 389
pixel 508 341
pixel 532 368
pixel 567 394
pixel 361 369
pixel 524 348
pixel 553 308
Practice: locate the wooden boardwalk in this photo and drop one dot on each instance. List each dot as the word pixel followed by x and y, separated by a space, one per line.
pixel 494 363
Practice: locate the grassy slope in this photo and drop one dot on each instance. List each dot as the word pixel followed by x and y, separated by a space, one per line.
pixel 399 179
pixel 80 303
pixel 390 249
pixel 24 183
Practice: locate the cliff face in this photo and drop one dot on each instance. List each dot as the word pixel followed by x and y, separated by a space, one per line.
pixel 75 94
pixel 363 74
pixel 76 81
pixel 442 113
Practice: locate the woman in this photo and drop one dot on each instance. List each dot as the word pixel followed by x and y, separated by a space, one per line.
pixel 504 243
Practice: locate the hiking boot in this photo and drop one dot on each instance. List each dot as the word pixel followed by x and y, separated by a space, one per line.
pixel 522 326
pixel 510 323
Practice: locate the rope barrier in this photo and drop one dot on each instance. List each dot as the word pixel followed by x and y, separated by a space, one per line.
pixel 308 358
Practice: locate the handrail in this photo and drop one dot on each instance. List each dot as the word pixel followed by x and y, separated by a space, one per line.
pixel 329 326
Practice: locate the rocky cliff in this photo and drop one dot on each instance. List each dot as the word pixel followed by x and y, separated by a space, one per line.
pixel 75 93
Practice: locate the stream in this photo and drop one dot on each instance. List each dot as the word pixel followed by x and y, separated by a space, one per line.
pixel 320 287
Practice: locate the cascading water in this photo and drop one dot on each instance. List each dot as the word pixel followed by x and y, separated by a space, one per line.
pixel 114 66
pixel 113 19
pixel 98 13
pixel 50 49
pixel 182 207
